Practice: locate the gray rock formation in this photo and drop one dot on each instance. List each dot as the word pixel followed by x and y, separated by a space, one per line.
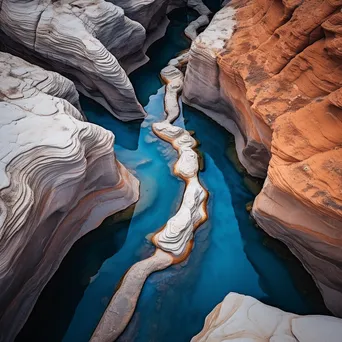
pixel 85 39
pixel 58 180
pixel 96 43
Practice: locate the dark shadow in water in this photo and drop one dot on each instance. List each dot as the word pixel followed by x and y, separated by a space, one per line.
pixel 301 278
pixel 99 115
pixel 62 294
pixel 213 5
pixel 146 79
pixel 253 240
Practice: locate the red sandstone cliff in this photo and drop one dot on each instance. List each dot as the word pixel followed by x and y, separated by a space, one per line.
pixel 277 86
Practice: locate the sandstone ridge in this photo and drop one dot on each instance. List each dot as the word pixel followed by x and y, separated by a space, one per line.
pixel 270 72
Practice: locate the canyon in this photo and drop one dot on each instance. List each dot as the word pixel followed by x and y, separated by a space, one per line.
pixel 267 71
pixel 270 73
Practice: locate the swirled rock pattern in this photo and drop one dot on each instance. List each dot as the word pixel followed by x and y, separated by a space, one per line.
pixel 243 318
pixel 85 39
pixel 177 234
pixel 275 83
pixel 191 30
pixel 58 180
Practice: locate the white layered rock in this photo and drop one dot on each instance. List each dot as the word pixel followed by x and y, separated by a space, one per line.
pixel 174 85
pixel 85 39
pixel 124 301
pixel 191 30
pixel 151 14
pixel 197 5
pixel 58 180
pixel 243 318
pixel 177 234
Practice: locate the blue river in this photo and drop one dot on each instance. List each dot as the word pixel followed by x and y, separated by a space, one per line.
pixel 230 253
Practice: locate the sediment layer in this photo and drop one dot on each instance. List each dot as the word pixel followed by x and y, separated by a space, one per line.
pixel 59 180
pixel 86 40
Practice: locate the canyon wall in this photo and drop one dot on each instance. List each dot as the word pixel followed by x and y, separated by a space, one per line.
pixel 89 41
pixel 58 180
pixel 270 72
pixel 243 318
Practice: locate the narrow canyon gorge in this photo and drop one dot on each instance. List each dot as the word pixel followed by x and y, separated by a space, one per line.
pixel 171 170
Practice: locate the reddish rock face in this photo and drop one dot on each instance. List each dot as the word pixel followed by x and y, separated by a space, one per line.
pixel 280 75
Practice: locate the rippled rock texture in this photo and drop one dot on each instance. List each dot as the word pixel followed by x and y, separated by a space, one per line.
pixel 91 41
pixel 270 72
pixel 59 179
pixel 96 43
pixel 243 318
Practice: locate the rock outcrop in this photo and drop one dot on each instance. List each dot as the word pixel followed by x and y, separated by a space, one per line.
pixel 176 236
pixel 243 318
pixel 96 43
pixel 270 72
pixel 59 180
pixel 86 40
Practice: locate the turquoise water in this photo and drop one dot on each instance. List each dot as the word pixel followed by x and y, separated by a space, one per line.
pixel 229 252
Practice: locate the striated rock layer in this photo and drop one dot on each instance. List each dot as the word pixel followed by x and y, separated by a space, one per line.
pixel 271 73
pixel 243 318
pixel 58 180
pixel 84 39
pixel 96 43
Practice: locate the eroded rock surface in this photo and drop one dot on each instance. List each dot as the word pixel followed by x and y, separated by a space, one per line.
pixel 84 39
pixel 96 43
pixel 243 318
pixel 270 72
pixel 58 180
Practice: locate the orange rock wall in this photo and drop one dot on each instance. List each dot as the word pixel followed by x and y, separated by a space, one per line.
pixel 280 75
